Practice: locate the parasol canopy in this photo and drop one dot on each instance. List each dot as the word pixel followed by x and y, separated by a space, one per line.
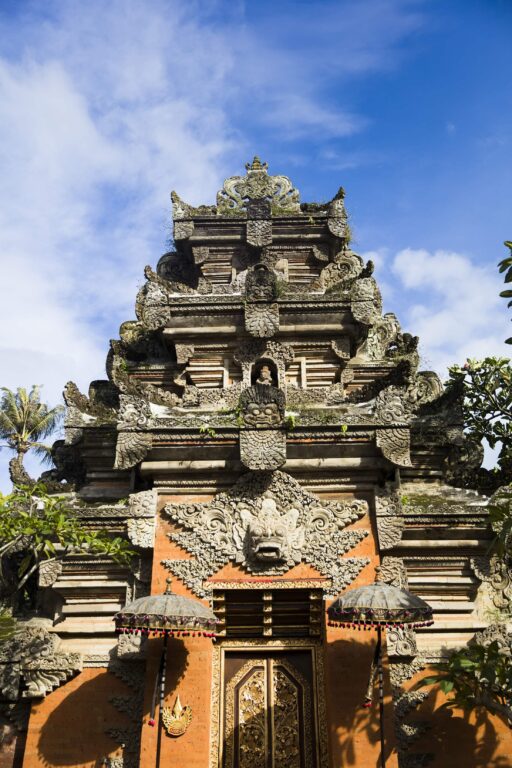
pixel 379 605
pixel 167 614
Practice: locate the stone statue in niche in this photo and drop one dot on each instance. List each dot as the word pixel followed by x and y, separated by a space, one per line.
pixel 262 405
pixel 261 284
pixel 265 376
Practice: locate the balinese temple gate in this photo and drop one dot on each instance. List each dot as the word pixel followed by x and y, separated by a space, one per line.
pixel 265 439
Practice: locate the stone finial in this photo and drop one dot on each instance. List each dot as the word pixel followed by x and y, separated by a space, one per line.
pixel 256 165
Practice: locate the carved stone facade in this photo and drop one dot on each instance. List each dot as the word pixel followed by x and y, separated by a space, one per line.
pixel 263 427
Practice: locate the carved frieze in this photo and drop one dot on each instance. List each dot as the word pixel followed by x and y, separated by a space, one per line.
pixel 267 523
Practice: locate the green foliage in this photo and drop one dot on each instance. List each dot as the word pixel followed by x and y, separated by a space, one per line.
pixel 476 676
pixel 291 420
pixel 344 428
pixel 7 624
pixel 487 402
pixel 500 516
pixel 36 528
pixel 207 431
pixel 506 266
pixel 25 421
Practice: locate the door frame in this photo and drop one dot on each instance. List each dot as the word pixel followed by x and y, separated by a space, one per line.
pixel 268 645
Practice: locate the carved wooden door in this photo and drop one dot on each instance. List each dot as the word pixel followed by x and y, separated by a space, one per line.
pixel 268 711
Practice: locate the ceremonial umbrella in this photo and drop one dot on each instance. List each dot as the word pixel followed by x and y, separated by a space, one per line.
pixel 163 616
pixel 379 606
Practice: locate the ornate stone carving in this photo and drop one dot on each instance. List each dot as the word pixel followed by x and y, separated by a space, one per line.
pixel 401 642
pixel 262 406
pixel 500 633
pixel 220 531
pixel 261 320
pixel 341 347
pixel 131 447
pixel 404 703
pixel 345 268
pixel 49 572
pixel 337 217
pixel 261 283
pixel 141 532
pixel 390 520
pixel 259 233
pixel 33 660
pixel 366 300
pixel 87 405
pixel 393 571
pixel 395 445
pixel 264 449
pixel 257 184
pixel 380 336
pixel 134 412
pixel 496 573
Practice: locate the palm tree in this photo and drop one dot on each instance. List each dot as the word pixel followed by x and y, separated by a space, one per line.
pixel 24 422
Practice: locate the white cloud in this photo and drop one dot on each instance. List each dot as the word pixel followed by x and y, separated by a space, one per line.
pixel 452 304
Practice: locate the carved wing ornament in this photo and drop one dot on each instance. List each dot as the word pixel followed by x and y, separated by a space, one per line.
pixel 267 523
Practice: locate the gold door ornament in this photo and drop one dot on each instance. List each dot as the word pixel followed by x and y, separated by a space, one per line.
pixel 177 720
pixel 268 716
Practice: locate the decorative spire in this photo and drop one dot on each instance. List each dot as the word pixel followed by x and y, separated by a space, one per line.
pixel 256 165
pixel 257 184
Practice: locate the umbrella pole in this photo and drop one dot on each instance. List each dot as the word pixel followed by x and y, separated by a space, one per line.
pixel 161 678
pixel 381 695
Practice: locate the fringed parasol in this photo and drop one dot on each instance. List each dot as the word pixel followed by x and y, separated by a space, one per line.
pixel 167 615
pixel 379 606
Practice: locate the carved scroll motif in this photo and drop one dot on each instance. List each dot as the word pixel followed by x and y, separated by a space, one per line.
pixel 395 445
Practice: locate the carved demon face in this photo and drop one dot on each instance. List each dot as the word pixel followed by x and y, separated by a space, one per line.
pixel 270 535
pixel 262 415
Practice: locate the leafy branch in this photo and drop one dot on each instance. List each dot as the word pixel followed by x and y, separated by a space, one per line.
pixel 476 676
pixel 37 528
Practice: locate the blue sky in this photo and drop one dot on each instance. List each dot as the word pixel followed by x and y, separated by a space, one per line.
pixel 106 107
